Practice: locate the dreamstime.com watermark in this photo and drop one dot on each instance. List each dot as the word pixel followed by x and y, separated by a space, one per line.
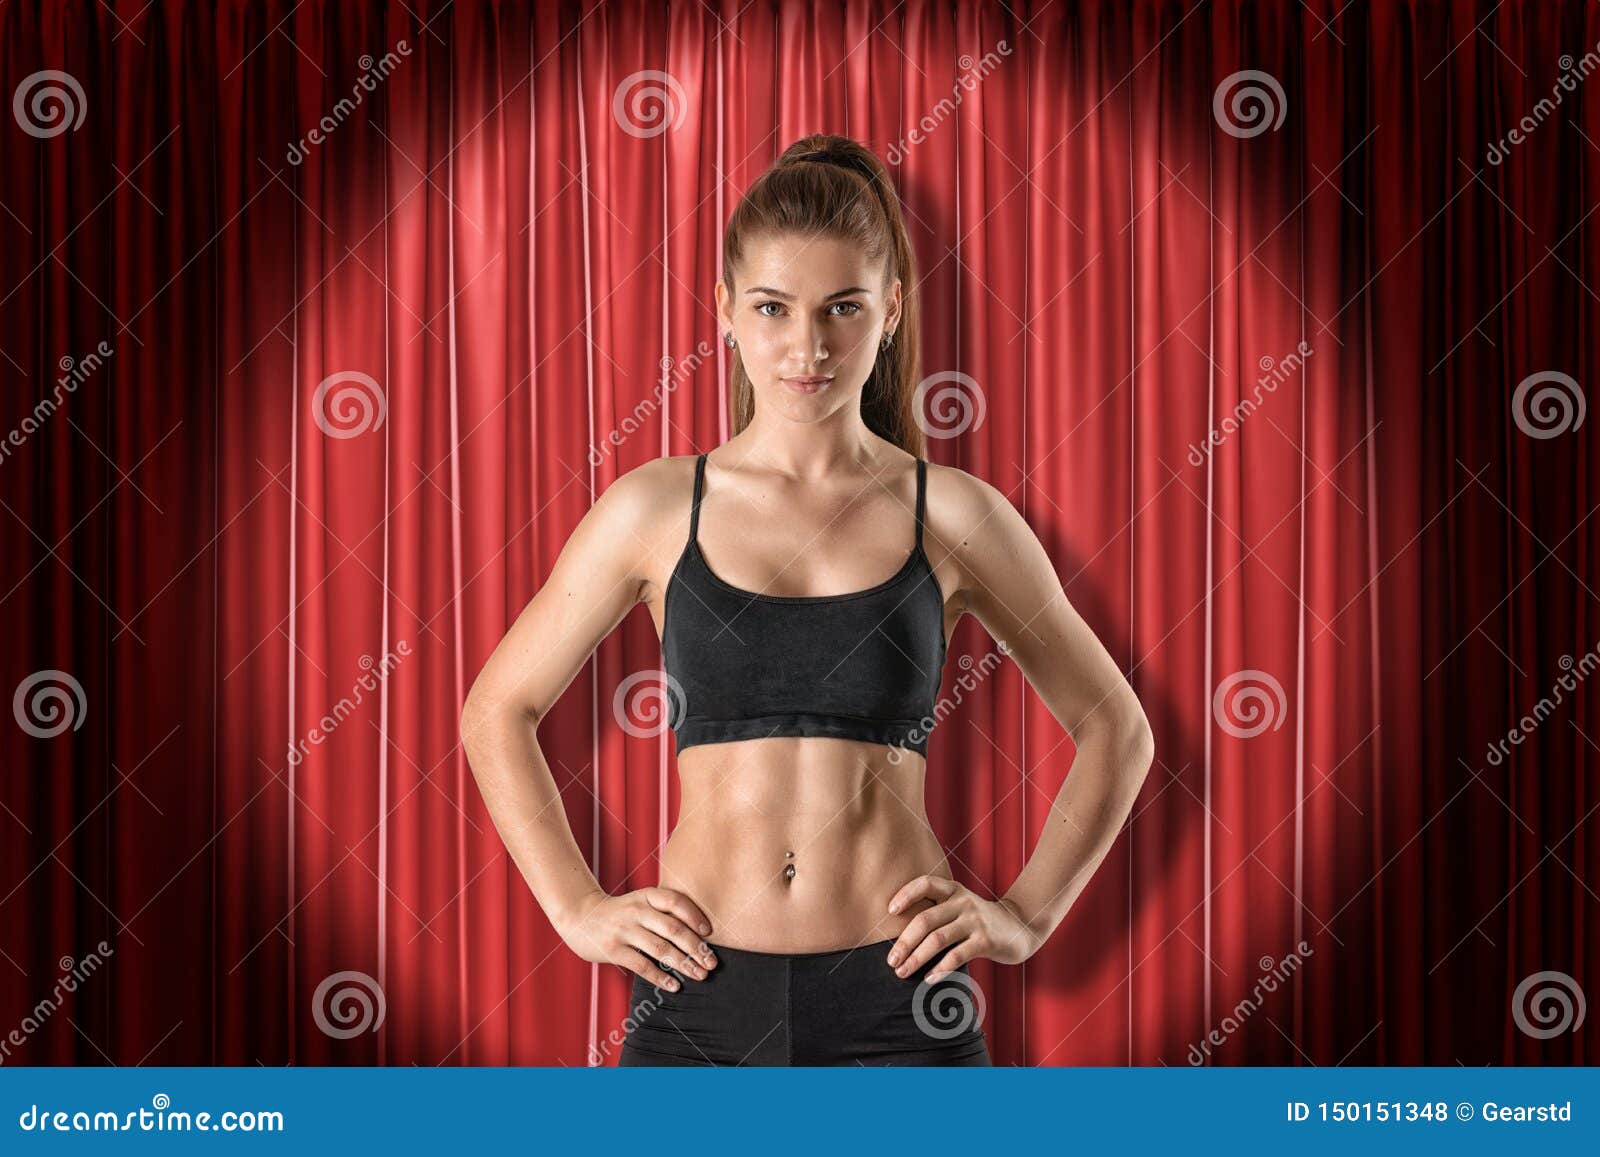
pixel 1548 1004
pixel 349 1003
pixel 617 1037
pixel 1274 974
pixel 160 1117
pixel 1249 703
pixel 347 404
pixel 372 72
pixel 1249 103
pixel 49 103
pixel 74 372
pixel 1274 372
pixel 947 1009
pixel 1548 404
pixel 73 974
pixel 962 685
pixel 1572 74
pixel 342 710
pixel 947 404
pixel 1577 670
pixel 648 702
pixel 973 73
pixel 48 703
pixel 647 104
pixel 674 373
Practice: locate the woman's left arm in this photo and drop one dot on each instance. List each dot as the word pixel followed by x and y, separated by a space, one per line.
pixel 1008 581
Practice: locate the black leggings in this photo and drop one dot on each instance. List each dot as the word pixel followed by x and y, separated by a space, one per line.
pixel 842 1007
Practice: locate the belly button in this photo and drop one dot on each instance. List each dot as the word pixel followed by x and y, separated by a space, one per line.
pixel 788 869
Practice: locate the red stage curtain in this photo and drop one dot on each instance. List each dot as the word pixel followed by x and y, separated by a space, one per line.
pixel 510 259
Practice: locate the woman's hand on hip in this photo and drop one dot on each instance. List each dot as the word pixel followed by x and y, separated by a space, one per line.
pixel 960 921
pixel 639 928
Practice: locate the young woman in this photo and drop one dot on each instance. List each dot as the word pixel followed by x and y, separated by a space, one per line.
pixel 805 577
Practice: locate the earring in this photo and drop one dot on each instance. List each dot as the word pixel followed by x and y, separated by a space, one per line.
pixel 888 340
pixel 729 339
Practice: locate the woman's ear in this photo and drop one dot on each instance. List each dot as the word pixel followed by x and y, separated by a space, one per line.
pixel 891 321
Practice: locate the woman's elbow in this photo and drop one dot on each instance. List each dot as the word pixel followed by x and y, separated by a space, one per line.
pixel 474 715
pixel 1129 742
pixel 484 709
pixel 1138 744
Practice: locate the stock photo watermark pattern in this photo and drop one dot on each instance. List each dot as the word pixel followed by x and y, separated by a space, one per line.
pixel 157 1117
pixel 649 103
pixel 323 330
pixel 348 1004
pixel 1250 103
pixel 973 673
pixel 648 703
pixel 676 374
pixel 1575 671
pixel 374 674
pixel 75 973
pixel 1274 372
pixel 1275 974
pixel 1549 404
pixel 348 404
pixel 943 1012
pixel 1573 74
pixel 49 103
pixel 972 74
pixel 1548 1004
pixel 74 373
pixel 48 703
pixel 948 404
pixel 373 72
pixel 1250 703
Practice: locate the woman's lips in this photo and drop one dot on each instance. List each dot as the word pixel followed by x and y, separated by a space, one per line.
pixel 810 384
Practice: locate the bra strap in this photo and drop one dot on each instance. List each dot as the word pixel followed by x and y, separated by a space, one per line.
pixel 694 507
pixel 922 489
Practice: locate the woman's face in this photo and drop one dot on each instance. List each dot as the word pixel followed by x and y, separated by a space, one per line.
pixel 808 318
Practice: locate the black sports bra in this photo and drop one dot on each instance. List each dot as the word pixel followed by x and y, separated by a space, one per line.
pixel 862 665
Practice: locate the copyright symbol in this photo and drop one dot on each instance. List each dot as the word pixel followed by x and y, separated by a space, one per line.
pixel 1464 1111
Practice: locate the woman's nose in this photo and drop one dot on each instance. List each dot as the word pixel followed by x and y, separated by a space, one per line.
pixel 810 348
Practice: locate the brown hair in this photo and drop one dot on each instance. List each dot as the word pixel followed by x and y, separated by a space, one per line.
pixel 825 185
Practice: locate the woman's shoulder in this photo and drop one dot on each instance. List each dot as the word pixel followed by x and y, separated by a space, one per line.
pixel 636 520
pixel 651 489
pixel 958 497
pixel 972 518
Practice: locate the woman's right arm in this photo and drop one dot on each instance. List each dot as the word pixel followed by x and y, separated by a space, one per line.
pixel 601 573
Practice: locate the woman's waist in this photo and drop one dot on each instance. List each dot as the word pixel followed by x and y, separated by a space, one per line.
pixel 751 830
pixel 800 882
pixel 786 783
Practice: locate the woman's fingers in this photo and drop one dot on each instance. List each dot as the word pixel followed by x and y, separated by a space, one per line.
pixel 955 958
pixel 635 961
pixel 677 904
pixel 666 952
pixel 655 936
pixel 949 932
pixel 922 888
pixel 907 953
pixel 681 935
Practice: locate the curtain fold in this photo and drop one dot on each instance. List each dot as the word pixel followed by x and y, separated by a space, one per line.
pixel 324 323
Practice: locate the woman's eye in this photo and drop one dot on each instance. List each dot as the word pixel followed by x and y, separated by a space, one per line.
pixel 851 307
